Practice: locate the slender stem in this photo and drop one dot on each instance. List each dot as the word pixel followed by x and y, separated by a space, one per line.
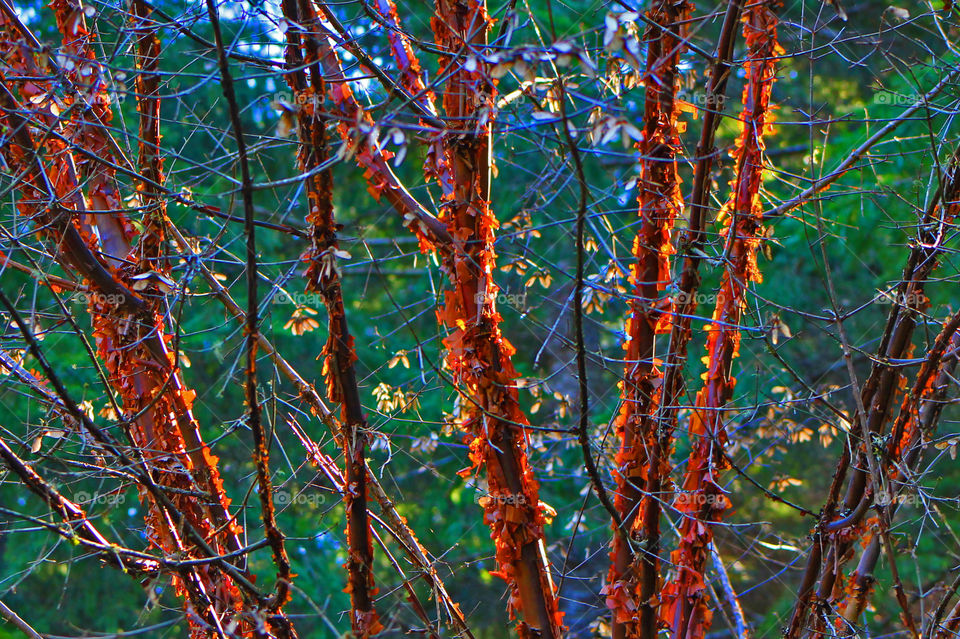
pixel 252 330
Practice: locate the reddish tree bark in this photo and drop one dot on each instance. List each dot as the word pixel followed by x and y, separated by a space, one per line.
pixel 435 166
pixel 478 355
pixel 323 277
pixel 513 510
pixel 918 415
pixel 93 238
pixel 659 466
pixel 702 501
pixel 836 534
pixel 149 161
pixel 631 592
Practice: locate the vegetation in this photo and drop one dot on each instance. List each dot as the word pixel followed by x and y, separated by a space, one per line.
pixel 386 318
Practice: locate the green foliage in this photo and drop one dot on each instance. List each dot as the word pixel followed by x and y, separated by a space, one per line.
pixel 391 291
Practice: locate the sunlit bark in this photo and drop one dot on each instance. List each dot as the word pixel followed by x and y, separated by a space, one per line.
pixel 479 357
pixel 701 500
pixel 633 581
pixel 323 277
pixel 87 222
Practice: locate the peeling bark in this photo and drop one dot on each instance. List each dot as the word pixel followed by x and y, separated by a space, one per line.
pixel 479 357
pixel 93 239
pixel 842 523
pixel 323 277
pixel 701 500
pixel 632 581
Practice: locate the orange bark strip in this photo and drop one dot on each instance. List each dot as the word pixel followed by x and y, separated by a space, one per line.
pixel 525 519
pixel 916 410
pixel 702 501
pixel 150 163
pixel 838 534
pixel 919 411
pixel 323 276
pixel 514 513
pixel 479 358
pixel 632 582
pixel 672 387
pixel 411 75
pixel 360 138
pixel 138 377
pixel 128 327
pixel 90 114
pixel 435 165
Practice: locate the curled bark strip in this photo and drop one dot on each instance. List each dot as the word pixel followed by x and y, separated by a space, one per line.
pixel 203 616
pixel 411 75
pixel 417 554
pixel 395 89
pixel 702 501
pixel 90 113
pixel 685 305
pixel 435 165
pixel 881 388
pixel 632 581
pixel 478 357
pixel 521 560
pixel 150 243
pixel 323 276
pixel 921 408
pixel 130 346
pixel 128 326
pixel 360 137
pixel 398 525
